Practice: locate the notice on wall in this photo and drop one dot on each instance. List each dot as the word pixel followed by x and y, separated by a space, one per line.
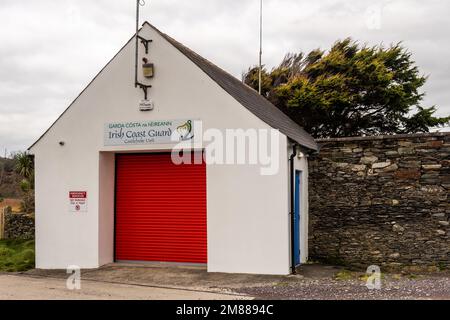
pixel 78 201
pixel 148 132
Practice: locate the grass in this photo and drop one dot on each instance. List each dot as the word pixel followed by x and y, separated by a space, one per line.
pixel 344 275
pixel 16 255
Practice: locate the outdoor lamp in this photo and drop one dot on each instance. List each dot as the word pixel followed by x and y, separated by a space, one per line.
pixel 147 68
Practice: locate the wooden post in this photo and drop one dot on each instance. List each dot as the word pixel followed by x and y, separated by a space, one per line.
pixel 2 223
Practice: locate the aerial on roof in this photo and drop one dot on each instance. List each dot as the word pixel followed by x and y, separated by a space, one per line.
pixel 245 95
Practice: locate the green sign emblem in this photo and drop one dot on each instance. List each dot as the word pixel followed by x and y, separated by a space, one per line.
pixel 185 131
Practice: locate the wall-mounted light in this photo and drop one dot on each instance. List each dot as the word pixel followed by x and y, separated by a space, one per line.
pixel 148 69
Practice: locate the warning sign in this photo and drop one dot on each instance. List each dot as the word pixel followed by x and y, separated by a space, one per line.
pixel 78 201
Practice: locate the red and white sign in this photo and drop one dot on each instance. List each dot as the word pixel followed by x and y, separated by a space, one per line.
pixel 78 201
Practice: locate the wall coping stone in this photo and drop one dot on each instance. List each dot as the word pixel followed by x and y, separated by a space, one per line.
pixel 384 137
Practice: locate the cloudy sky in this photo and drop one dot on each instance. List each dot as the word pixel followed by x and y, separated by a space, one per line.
pixel 50 50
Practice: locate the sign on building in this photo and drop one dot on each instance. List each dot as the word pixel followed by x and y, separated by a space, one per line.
pixel 148 132
pixel 78 201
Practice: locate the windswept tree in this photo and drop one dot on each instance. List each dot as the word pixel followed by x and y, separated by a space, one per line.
pixel 350 90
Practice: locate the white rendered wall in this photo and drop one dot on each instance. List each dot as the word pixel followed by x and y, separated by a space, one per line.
pixel 248 221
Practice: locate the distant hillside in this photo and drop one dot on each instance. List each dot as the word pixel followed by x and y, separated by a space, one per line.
pixel 9 180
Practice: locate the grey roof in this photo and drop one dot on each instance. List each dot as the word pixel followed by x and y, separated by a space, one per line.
pixel 247 96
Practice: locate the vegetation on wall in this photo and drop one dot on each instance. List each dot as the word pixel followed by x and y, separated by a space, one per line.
pixel 350 90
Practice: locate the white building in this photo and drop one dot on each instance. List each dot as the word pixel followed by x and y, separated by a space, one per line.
pixel 107 189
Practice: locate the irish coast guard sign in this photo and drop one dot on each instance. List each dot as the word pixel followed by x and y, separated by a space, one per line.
pixel 148 132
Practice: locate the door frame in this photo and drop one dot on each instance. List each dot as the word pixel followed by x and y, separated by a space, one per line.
pixel 117 155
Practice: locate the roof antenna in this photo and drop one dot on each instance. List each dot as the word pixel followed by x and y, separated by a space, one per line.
pixel 139 3
pixel 260 44
pixel 145 42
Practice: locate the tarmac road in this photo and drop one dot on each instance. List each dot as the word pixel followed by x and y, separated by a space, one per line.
pixel 21 287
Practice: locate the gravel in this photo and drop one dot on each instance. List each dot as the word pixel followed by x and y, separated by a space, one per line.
pixel 426 287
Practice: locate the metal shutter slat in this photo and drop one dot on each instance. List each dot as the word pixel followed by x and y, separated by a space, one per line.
pixel 160 210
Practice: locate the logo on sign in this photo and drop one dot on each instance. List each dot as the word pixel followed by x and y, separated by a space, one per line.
pixel 185 131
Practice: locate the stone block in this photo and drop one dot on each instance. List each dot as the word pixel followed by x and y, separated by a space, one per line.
pixel 431 166
pixel 359 167
pixel 404 143
pixel 391 153
pixel 407 174
pixel 405 151
pixel 397 228
pixel 368 159
pixel 391 168
pixel 381 165
pixel 340 165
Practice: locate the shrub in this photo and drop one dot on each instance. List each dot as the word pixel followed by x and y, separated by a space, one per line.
pixel 28 202
pixel 25 185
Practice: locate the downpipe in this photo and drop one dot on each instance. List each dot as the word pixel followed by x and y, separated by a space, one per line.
pixel 292 213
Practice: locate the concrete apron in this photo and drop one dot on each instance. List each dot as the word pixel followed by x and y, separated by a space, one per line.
pixel 169 275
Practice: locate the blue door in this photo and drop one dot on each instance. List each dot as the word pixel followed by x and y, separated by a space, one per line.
pixel 297 199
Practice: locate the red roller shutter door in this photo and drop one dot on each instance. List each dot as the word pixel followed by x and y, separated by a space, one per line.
pixel 160 210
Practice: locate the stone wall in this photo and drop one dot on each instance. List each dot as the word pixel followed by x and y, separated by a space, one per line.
pixel 19 226
pixel 381 200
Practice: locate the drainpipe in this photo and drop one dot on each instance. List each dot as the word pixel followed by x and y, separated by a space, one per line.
pixel 292 213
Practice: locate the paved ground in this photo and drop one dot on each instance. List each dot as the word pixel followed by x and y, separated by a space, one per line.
pixel 125 281
pixel 23 287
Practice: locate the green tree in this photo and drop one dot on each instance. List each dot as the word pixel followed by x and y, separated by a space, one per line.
pixel 350 90
pixel 24 165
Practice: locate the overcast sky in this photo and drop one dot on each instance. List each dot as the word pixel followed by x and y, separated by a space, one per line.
pixel 50 50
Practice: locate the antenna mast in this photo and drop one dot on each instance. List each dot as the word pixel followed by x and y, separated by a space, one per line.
pixel 260 44
pixel 145 42
pixel 138 4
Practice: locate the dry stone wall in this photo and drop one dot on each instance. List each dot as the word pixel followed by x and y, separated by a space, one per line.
pixel 381 200
pixel 19 225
